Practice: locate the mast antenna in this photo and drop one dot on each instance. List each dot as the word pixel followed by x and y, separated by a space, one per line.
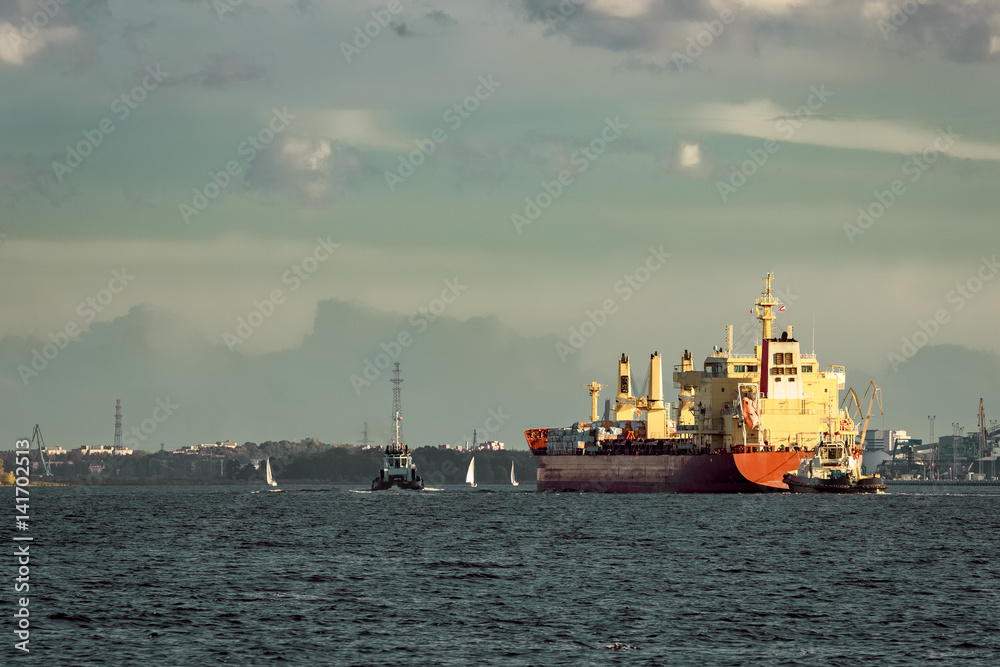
pixel 814 337
pixel 764 304
pixel 397 409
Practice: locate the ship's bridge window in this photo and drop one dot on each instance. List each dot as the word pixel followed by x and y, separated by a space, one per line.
pixel 739 369
pixel 807 369
pixel 751 369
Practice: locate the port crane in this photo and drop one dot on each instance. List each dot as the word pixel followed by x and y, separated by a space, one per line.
pixel 36 437
pixel 985 449
pixel 851 398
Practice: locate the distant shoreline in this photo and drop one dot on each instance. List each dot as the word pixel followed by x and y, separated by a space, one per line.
pixel 224 482
pixel 938 482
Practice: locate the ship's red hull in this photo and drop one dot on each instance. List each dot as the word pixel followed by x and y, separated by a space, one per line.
pixel 754 472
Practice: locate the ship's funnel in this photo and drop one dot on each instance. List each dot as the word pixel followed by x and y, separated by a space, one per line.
pixel 655 379
pixel 624 378
pixel 656 414
pixel 624 401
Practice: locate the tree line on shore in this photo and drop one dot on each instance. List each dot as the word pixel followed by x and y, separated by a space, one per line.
pixel 309 461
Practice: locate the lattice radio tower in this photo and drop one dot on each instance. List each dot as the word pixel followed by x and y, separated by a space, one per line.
pixel 364 440
pixel 936 454
pixel 397 406
pixel 118 423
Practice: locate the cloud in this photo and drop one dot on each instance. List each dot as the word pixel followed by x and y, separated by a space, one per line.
pixel 222 71
pixel 623 25
pixel 148 353
pixel 962 31
pixel 314 170
pixel 440 17
pixel 959 31
pixel 483 160
pixel 689 155
pixel 765 120
pixel 15 49
pixel 28 29
pixel 24 178
pixel 690 158
pixel 362 128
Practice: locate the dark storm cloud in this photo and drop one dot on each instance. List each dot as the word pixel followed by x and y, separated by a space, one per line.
pixel 958 31
pixel 590 27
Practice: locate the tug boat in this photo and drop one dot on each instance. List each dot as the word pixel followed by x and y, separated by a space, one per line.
pixel 398 468
pixel 835 468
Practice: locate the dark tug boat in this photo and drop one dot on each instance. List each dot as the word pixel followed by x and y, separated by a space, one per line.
pixel 835 468
pixel 398 468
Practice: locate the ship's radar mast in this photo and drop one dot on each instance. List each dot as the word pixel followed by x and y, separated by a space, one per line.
pixel 397 406
pixel 765 303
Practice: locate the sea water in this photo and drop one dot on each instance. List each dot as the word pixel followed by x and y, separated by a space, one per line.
pixel 179 575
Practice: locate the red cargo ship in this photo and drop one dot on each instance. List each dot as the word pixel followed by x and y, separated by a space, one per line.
pixel 741 423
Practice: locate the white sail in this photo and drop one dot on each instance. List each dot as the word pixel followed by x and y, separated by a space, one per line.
pixel 267 472
pixel 470 477
pixel 513 482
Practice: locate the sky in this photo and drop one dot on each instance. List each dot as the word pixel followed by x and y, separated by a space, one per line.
pixel 234 216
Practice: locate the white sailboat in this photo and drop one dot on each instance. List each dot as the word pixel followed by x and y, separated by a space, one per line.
pixel 513 482
pixel 470 477
pixel 269 479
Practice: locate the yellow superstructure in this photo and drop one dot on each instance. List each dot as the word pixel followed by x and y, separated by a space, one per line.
pixel 778 398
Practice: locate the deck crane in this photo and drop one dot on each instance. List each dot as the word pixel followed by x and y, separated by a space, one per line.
pixel 852 399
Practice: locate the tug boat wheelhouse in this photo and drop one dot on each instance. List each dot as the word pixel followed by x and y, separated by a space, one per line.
pixel 398 468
